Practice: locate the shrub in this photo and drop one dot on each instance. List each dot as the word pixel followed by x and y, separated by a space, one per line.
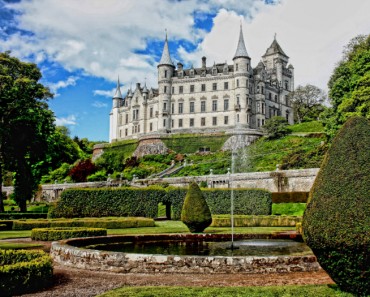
pixel 276 127
pixel 256 221
pixel 100 175
pixel 336 222
pixel 58 233
pixel 82 170
pixel 21 215
pixel 195 212
pixel 289 197
pixel 24 271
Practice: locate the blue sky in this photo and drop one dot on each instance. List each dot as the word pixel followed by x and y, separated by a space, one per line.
pixel 82 46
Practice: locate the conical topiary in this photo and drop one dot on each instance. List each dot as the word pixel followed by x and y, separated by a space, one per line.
pixel 336 223
pixel 195 212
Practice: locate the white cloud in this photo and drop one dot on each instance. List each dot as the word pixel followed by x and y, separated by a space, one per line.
pixel 99 104
pixel 67 121
pixel 104 93
pixel 54 87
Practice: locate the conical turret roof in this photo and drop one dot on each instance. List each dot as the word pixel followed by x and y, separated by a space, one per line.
pixel 118 94
pixel 275 48
pixel 166 58
pixel 241 50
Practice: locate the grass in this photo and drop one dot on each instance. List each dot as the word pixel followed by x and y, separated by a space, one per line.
pixel 17 246
pixel 313 126
pixel 15 234
pixel 273 291
pixel 288 209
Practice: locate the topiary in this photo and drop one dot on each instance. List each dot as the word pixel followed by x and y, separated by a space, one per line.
pixel 336 223
pixel 195 212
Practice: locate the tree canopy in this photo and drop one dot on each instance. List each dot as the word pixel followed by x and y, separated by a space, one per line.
pixel 26 122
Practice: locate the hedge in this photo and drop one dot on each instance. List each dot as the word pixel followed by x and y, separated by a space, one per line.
pixel 21 215
pixel 108 223
pixel 144 202
pixel 59 233
pixel 290 197
pixel 24 271
pixel 256 221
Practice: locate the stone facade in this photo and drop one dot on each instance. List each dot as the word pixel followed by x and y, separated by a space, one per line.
pixel 216 98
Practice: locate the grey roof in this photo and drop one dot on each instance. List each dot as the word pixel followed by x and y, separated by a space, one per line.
pixel 145 89
pixel 118 94
pixel 275 48
pixel 166 58
pixel 241 50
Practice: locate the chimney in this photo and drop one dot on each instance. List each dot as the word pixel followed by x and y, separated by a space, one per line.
pixel 179 66
pixel 204 62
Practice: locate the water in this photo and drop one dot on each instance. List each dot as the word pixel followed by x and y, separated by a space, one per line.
pixel 253 247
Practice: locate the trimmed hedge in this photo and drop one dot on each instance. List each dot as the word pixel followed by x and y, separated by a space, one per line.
pixel 24 271
pixel 256 221
pixel 144 202
pixel 108 223
pixel 59 233
pixel 21 215
pixel 290 197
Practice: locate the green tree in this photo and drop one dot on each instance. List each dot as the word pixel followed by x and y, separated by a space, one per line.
pixel 25 125
pixel 276 127
pixel 307 102
pixel 349 85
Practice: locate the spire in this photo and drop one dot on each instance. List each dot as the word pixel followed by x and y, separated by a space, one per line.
pixel 241 50
pixel 145 89
pixel 275 48
pixel 118 94
pixel 166 58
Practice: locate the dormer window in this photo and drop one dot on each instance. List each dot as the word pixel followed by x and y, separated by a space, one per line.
pixel 191 73
pixel 180 74
pixel 214 71
pixel 226 69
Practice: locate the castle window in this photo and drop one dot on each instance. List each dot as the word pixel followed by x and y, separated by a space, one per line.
pixel 276 98
pixel 151 112
pixel 247 83
pixel 135 129
pixel 214 121
pixel 258 107
pixel 247 118
pixel 214 105
pixel 202 121
pixel 172 123
pixel 165 106
pixel 262 90
pixel 237 100
pixel 191 88
pixel 263 108
pixel 173 90
pixel 263 122
pixel 181 107
pixel 165 73
pixel 270 96
pixel 172 108
pixel 226 104
pixel 226 120
pixel 286 85
pixel 236 67
pixel 214 86
pixel 226 85
pixel 202 106
pixel 164 123
pixel 181 89
pixel 126 118
pixel 138 129
pixel 165 89
pixel 287 115
pixel 286 100
pixel 151 126
pixel 191 106
pixel 214 71
pixel 180 123
pixel 126 132
pixel 191 73
pixel 191 123
pixel 237 118
pixel 203 87
pixel 237 83
pixel 258 123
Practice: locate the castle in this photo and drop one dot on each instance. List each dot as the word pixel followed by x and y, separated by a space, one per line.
pixel 218 98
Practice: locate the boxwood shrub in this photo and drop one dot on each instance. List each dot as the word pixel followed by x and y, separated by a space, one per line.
pixel 24 271
pixel 108 223
pixel 21 215
pixel 256 221
pixel 59 233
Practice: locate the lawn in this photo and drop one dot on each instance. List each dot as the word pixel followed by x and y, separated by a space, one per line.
pixel 15 234
pixel 273 291
pixel 17 246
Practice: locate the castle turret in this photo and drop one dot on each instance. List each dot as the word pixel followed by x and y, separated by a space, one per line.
pixel 114 115
pixel 166 70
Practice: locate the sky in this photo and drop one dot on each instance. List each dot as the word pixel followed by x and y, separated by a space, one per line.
pixel 83 46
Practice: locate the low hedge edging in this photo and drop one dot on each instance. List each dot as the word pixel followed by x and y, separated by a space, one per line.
pixel 289 197
pixel 59 233
pixel 24 271
pixel 22 215
pixel 256 221
pixel 108 223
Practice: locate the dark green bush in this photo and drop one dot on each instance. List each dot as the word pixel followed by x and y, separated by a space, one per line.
pixel 108 223
pixel 195 212
pixel 336 223
pixel 256 221
pixel 24 271
pixel 21 215
pixel 289 197
pixel 59 233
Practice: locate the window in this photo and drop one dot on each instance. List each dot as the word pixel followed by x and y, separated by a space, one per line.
pixel 214 86
pixel 165 89
pixel 214 121
pixel 248 118
pixel 263 122
pixel 236 67
pixel 181 107
pixel 151 112
pixel 191 88
pixel 164 106
pixel 164 123
pixel 173 90
pixel 262 90
pixel 276 98
pixel 258 107
pixel 247 83
pixel 203 87
pixel 263 108
pixel 287 115
pixel 214 71
pixel 214 105
pixel 237 83
pixel 258 123
pixel 286 85
pixel 191 106
pixel 202 121
pixel 270 96
pixel 126 132
pixel 126 118
pixel 226 85
pixel 202 106
pixel 191 123
pixel 172 123
pixel 138 129
pixel 173 108
pixel 226 120
pixel 165 73
pixel 180 123
pixel 226 104
pixel 237 118
pixel 286 100
pixel 237 100
pixel 181 89
pixel 151 126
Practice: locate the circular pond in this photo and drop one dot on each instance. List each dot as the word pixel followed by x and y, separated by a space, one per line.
pixel 186 253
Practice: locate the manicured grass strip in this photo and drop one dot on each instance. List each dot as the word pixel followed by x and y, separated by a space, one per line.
pixel 15 234
pixel 17 246
pixel 275 291
pixel 288 209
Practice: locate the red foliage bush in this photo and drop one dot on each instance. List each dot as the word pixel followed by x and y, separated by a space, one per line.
pixel 82 170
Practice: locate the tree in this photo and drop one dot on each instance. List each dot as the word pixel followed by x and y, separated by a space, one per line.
pixel 307 102
pixel 276 127
pixel 25 125
pixel 82 170
pixel 349 85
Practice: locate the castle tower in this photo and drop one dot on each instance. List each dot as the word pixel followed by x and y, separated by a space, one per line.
pixel 166 70
pixel 114 114
pixel 242 69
